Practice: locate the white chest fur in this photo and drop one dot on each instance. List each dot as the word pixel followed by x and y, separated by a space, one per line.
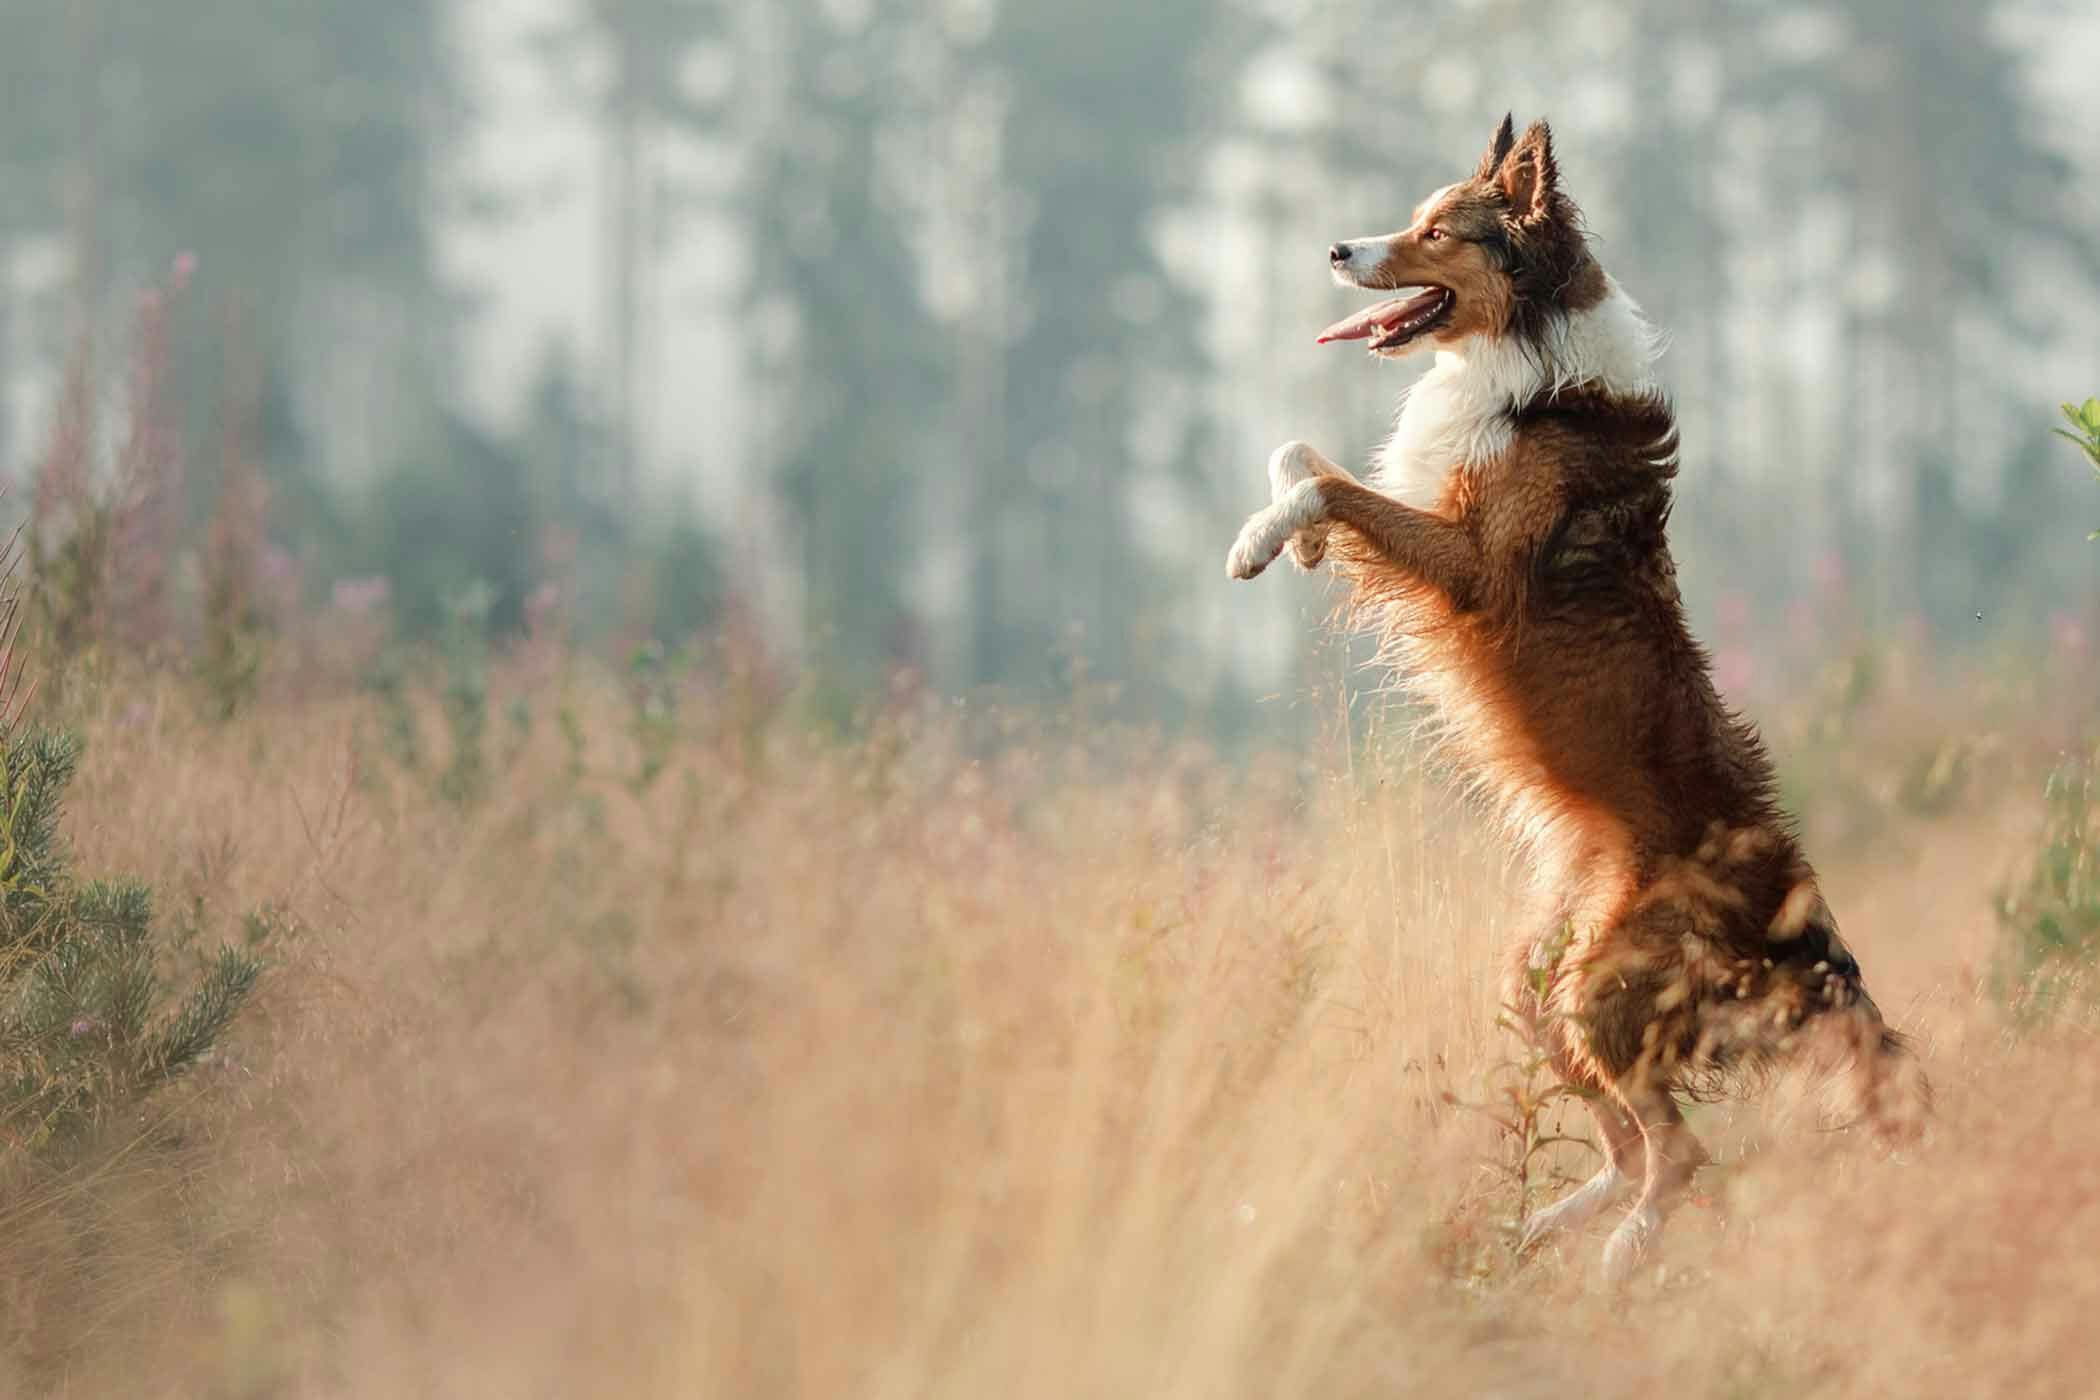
pixel 1459 413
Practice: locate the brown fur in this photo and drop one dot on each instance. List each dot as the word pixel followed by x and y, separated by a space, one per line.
pixel 1536 609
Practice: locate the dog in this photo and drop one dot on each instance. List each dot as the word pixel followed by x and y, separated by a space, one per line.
pixel 1509 551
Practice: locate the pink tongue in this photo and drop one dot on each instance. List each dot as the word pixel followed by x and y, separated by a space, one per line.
pixel 1367 322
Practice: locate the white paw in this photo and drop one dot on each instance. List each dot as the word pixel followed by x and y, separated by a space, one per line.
pixel 1288 465
pixel 1266 532
pixel 1259 543
pixel 1630 1242
pixel 1573 1211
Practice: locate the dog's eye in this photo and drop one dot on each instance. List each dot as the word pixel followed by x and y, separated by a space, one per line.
pixel 1434 235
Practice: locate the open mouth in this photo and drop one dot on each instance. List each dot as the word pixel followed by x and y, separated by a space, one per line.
pixel 1388 325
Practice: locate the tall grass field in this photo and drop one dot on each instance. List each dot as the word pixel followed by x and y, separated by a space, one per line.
pixel 694 1049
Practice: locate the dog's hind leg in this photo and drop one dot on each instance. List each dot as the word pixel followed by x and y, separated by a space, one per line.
pixel 1622 1167
pixel 1671 1155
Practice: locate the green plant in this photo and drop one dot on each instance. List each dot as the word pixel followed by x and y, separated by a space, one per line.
pixel 2085 432
pixel 652 694
pixel 2051 920
pixel 87 1023
pixel 575 741
pixel 235 625
pixel 71 525
pixel 1523 1097
pixel 399 733
pixel 466 695
pixel 92 508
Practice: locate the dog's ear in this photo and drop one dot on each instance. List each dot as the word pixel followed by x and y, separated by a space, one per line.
pixel 1498 148
pixel 1529 176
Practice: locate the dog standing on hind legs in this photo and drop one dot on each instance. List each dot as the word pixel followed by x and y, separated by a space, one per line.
pixel 1509 551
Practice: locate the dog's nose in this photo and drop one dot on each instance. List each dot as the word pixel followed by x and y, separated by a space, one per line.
pixel 1338 254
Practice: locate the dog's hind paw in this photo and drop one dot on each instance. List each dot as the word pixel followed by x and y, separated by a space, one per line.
pixel 1630 1243
pixel 1572 1211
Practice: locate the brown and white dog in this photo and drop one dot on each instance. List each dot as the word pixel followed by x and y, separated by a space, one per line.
pixel 1509 549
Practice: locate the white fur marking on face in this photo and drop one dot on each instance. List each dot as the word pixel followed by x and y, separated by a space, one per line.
pixel 1458 414
pixel 1364 256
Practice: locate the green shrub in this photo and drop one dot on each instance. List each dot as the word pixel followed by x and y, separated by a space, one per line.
pixel 652 694
pixel 465 649
pixel 88 1022
pixel 2051 919
pixel 452 518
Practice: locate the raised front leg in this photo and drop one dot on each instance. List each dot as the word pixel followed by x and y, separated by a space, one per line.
pixel 1290 464
pixel 1436 551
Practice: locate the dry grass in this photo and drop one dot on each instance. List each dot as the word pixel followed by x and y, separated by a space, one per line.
pixel 1051 1064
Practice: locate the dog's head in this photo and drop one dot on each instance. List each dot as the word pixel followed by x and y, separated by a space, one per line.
pixel 1499 253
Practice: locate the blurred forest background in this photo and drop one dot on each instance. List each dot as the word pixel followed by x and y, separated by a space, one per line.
pixel 950 336
pixel 514 489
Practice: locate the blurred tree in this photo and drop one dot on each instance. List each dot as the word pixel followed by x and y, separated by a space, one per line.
pixel 686 592
pixel 452 518
pixel 639 90
pixel 846 360
pixel 300 173
pixel 1932 101
pixel 30 158
pixel 581 529
pixel 1102 361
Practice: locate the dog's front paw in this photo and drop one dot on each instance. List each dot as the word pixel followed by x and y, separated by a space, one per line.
pixel 1256 548
pixel 1309 547
pixel 1266 532
pixel 1290 464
